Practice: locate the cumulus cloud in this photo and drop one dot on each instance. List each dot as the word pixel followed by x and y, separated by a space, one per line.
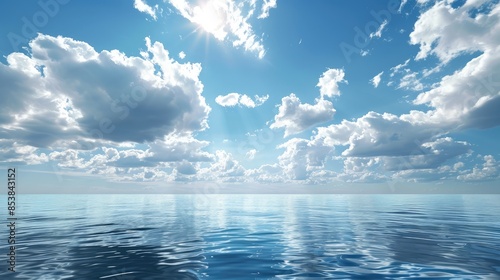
pixel 305 160
pixel 225 20
pixel 402 77
pixel 376 80
pixel 329 82
pixel 229 100
pixel 246 101
pixel 234 99
pixel 182 155
pixel 143 7
pixel 377 134
pixel 376 144
pixel 468 96
pixel 489 170
pixel 361 170
pixel 296 117
pixel 224 168
pixel 179 148
pixel 301 157
pixel 14 153
pixel 65 92
pixel 68 158
pixel 448 32
pixel 425 163
pixel 186 168
pixel 267 173
pixel 430 155
pixel 90 109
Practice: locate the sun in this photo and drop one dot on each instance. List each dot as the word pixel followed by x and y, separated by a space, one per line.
pixel 211 17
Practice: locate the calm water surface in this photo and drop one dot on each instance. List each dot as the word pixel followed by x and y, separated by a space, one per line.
pixel 122 237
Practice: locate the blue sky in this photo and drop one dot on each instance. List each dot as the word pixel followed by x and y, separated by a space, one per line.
pixel 173 94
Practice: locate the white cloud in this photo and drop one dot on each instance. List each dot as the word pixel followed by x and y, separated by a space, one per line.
pixel 376 80
pixel 143 7
pixel 251 154
pixel 224 168
pixel 259 100
pixel 296 117
pixel 448 32
pixel 424 163
pixel 404 78
pixel 329 82
pixel 361 170
pixel 470 97
pixel 410 81
pixel 379 31
pixel 401 6
pixel 176 148
pixel 65 94
pixel 169 160
pixel 489 170
pixel 377 134
pixel 266 6
pixel 225 20
pixel 301 157
pixel 399 68
pixel 233 99
pixel 430 155
pixel 306 160
pixel 246 101
pixel 412 144
pixel 267 173
pixel 68 158
pixel 229 100
pixel 182 55
pixel 15 153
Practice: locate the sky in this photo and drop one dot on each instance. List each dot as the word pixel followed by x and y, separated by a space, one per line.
pixel 251 95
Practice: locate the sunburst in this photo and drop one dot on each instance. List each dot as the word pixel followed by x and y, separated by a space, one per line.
pixel 211 17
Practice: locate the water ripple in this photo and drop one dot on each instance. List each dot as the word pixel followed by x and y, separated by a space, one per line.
pixel 258 237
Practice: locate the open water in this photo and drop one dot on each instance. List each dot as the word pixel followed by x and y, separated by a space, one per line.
pixel 119 237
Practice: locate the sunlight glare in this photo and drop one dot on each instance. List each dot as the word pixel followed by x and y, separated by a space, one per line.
pixel 210 17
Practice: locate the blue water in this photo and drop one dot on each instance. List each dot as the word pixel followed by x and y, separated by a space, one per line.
pixel 122 237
